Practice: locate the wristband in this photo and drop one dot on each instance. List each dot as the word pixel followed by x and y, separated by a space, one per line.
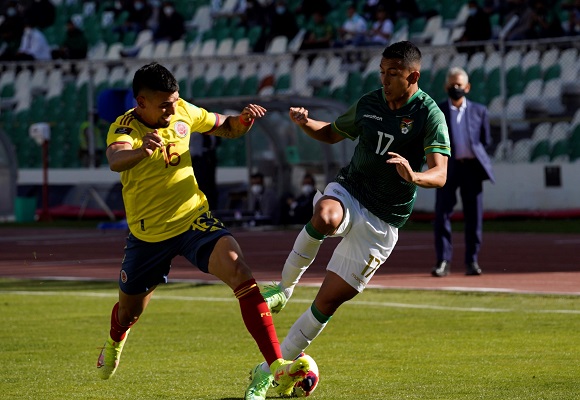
pixel 246 123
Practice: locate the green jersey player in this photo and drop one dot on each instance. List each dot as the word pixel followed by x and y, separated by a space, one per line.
pixel 399 128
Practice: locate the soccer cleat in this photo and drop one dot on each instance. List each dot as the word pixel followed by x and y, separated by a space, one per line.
pixel 287 373
pixel 110 355
pixel 275 298
pixel 261 381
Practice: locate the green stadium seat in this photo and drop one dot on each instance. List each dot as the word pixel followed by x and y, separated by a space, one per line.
pixel 553 72
pixel 515 81
pixel 282 83
pixel 250 86
pixel 541 151
pixel 198 87
pixel 233 86
pixel 560 151
pixel 532 73
pixel 216 87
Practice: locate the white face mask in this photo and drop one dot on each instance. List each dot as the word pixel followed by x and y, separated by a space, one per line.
pixel 307 189
pixel 11 12
pixel 168 11
pixel 256 189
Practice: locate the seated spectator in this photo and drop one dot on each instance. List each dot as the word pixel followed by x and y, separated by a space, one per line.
pixel 74 46
pixel 282 21
pixel 254 14
pixel 139 12
pixel 524 27
pixel 170 23
pixel 299 209
pixel 11 30
pixel 573 23
pixel 547 21
pixel 263 201
pixel 477 28
pixel 33 45
pixel 319 33
pixel 382 28
pixel 369 10
pixel 308 7
pixel 353 30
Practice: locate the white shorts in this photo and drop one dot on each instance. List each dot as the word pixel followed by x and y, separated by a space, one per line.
pixel 367 240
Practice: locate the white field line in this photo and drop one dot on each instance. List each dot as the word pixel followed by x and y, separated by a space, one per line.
pixel 350 303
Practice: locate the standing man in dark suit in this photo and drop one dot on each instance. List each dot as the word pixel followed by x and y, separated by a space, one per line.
pixel 469 165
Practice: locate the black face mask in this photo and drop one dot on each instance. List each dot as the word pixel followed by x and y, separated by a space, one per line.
pixel 455 93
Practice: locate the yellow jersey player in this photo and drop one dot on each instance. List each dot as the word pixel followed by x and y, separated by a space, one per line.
pixel 169 216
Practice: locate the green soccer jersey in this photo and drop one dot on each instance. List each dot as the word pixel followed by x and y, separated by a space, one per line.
pixel 416 129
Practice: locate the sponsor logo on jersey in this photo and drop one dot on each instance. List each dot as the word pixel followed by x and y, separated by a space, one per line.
pixel 406 125
pixel 181 129
pixel 124 130
pixel 373 117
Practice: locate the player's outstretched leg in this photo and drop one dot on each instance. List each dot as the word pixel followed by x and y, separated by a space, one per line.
pixel 287 373
pixel 110 355
pixel 260 381
pixel 275 298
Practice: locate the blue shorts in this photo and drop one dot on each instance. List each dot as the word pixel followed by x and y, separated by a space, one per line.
pixel 146 264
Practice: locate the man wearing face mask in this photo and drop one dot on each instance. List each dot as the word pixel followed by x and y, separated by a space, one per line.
pixel 299 209
pixel 263 201
pixel 469 165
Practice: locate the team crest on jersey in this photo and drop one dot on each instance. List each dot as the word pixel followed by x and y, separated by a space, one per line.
pixel 406 125
pixel 123 130
pixel 181 129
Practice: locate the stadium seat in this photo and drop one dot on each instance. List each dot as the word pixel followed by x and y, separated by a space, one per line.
pixel 492 62
pixel 560 151
pixel 422 29
pixel 552 72
pixel 549 58
pixel 514 80
pixel 225 47
pixel 282 83
pixel 241 47
pixel 176 49
pixel 114 51
pixel 278 45
pixel 513 58
pixel 216 87
pixel 441 37
pixel 476 61
pixel 503 151
pixel 208 48
pixel 198 87
pixel 250 86
pixel 540 152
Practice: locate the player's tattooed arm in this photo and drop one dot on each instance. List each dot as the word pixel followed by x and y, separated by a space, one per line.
pixel 235 126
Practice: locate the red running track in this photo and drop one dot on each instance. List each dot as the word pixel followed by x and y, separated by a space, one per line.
pixel 513 262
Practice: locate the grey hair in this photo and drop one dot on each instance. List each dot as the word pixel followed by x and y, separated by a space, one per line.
pixel 454 71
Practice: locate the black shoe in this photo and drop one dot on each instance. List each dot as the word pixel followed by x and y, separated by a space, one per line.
pixel 441 269
pixel 472 269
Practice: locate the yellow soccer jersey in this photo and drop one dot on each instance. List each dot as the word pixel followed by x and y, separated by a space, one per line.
pixel 162 200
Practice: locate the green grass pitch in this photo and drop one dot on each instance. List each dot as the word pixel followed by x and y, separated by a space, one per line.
pixel 385 344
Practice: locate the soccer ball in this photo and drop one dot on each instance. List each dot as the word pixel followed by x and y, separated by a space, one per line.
pixel 307 385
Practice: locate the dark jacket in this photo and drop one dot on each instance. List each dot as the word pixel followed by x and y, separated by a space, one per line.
pixel 479 132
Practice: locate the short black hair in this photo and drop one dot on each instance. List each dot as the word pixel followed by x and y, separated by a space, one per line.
pixel 156 77
pixel 406 51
